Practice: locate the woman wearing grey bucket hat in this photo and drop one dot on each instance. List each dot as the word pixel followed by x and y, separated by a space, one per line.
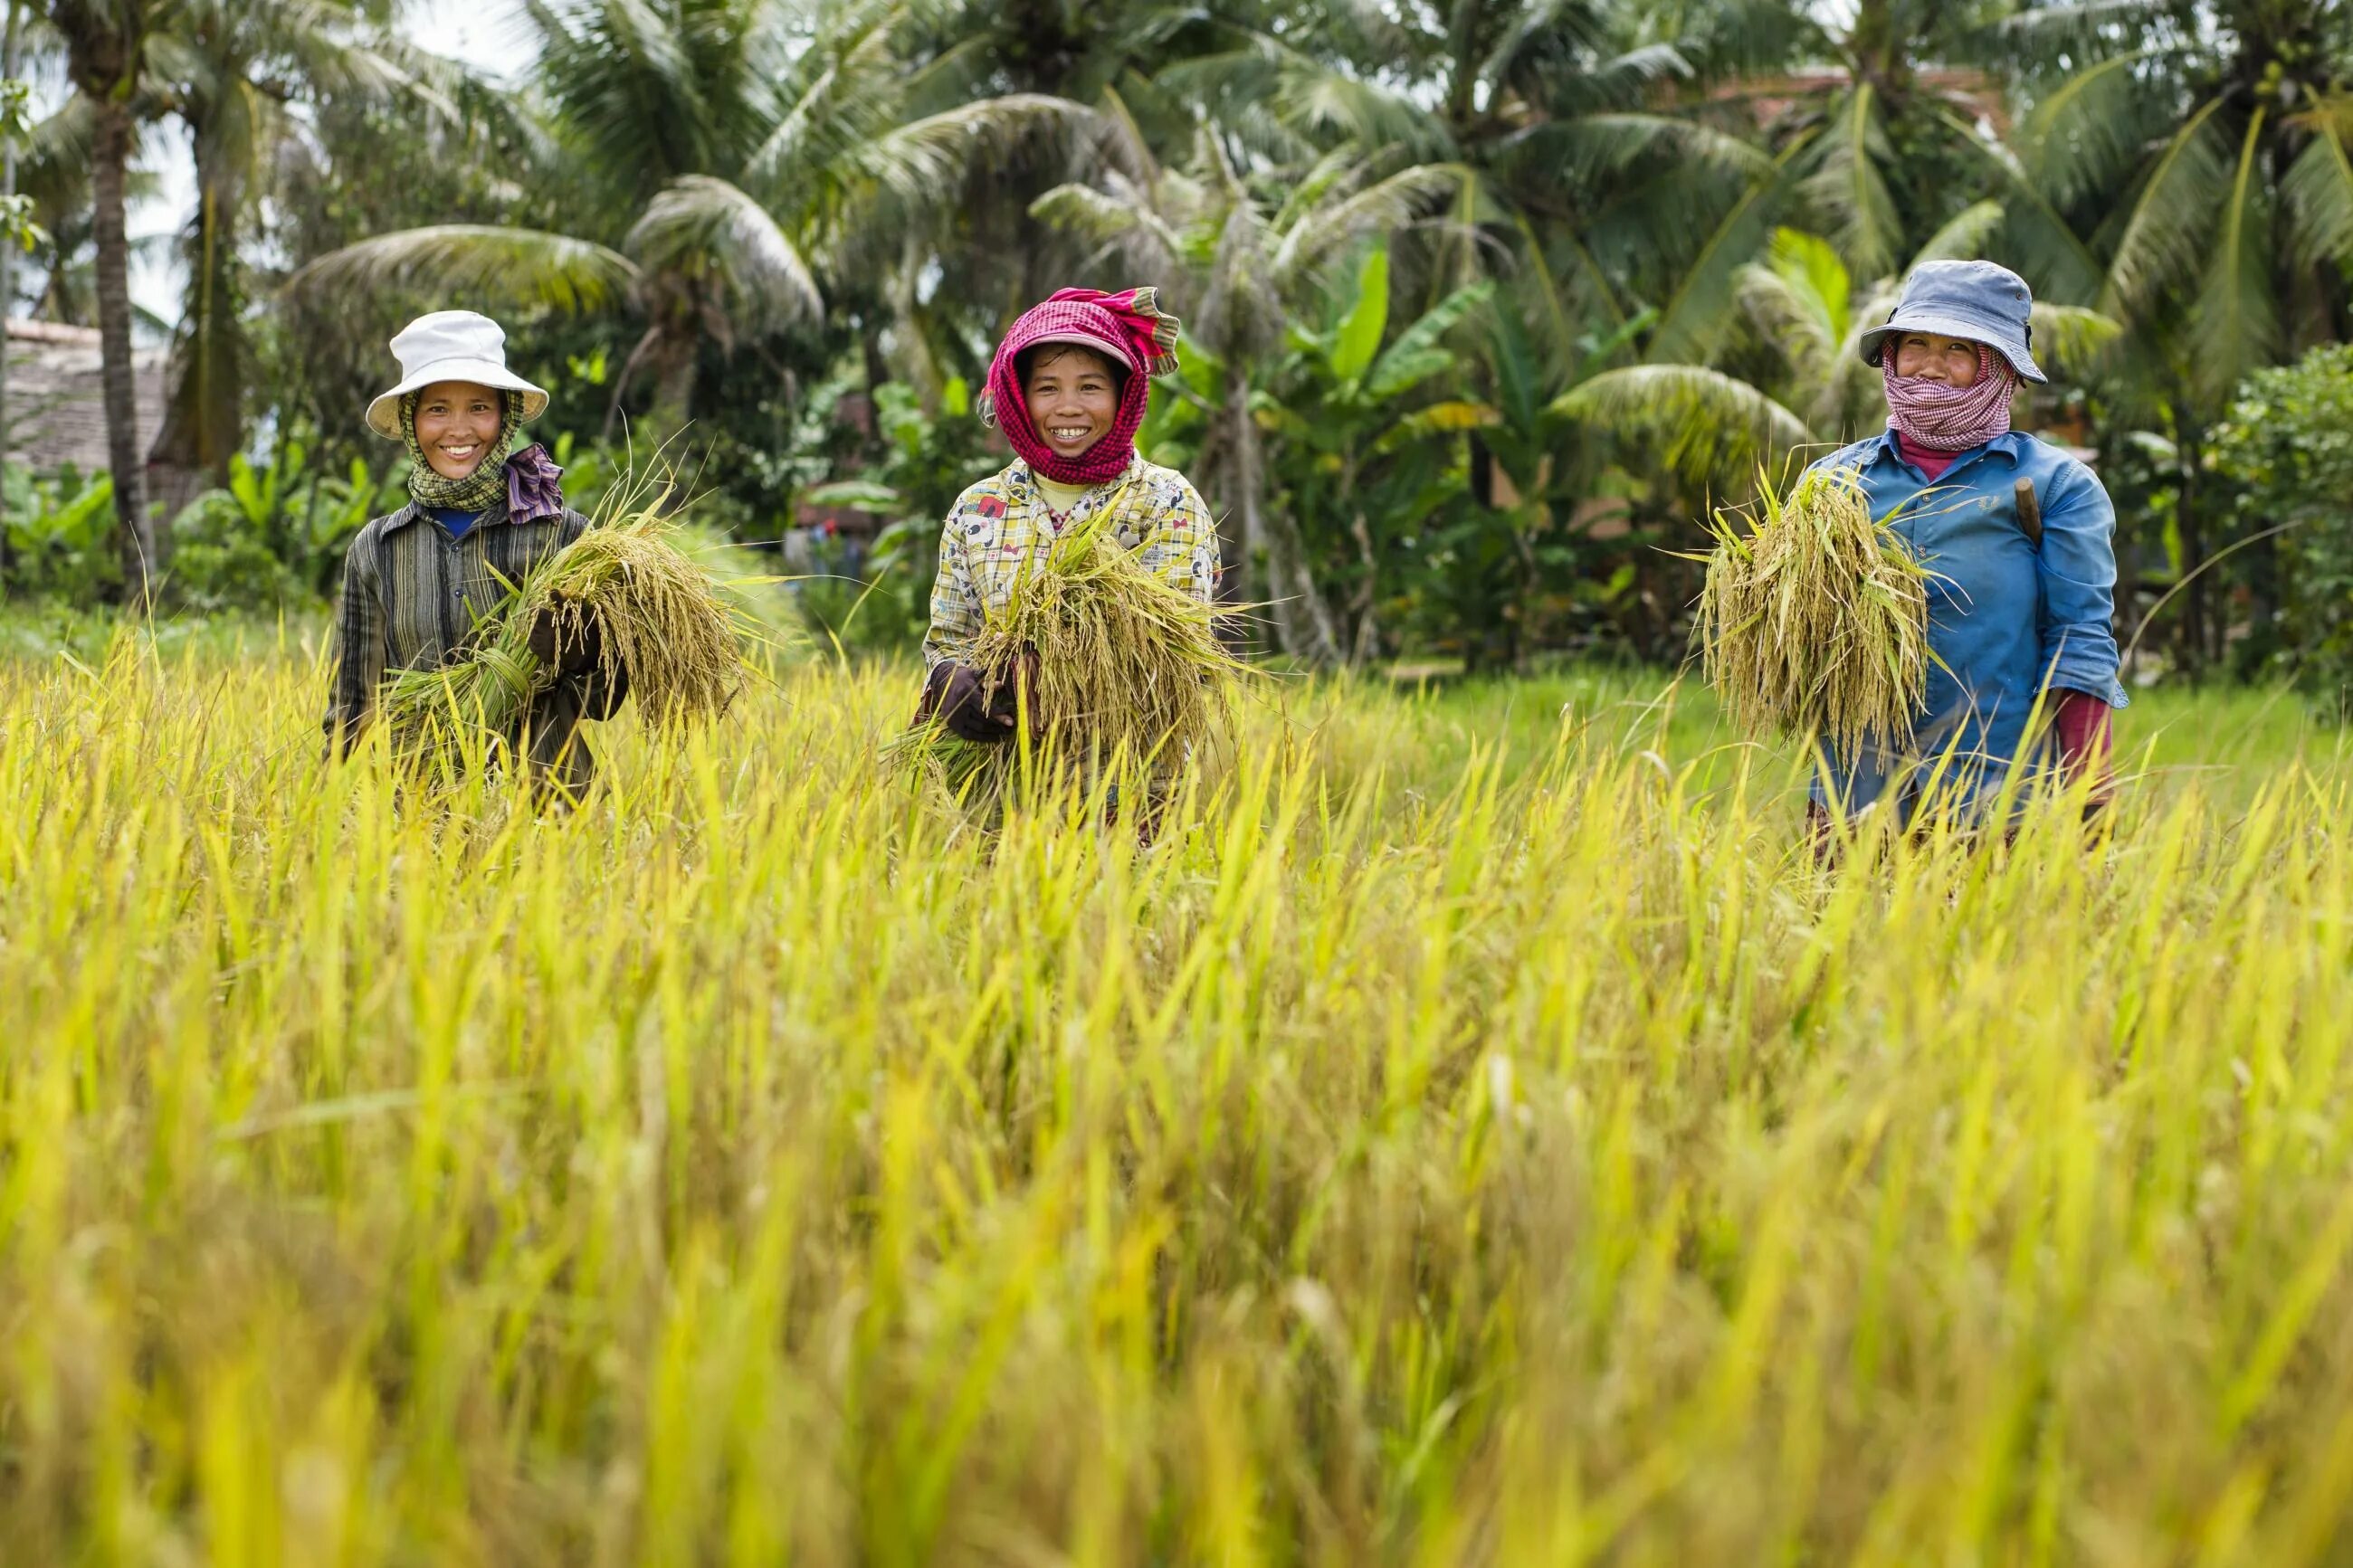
pixel 419 582
pixel 2019 539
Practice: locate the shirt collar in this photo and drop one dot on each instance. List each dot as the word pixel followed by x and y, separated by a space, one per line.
pixel 2009 443
pixel 494 514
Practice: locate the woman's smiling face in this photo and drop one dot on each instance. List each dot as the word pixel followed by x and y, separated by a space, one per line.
pixel 1073 398
pixel 457 422
pixel 1931 356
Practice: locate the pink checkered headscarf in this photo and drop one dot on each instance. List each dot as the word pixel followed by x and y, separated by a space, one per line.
pixel 1951 418
pixel 1128 328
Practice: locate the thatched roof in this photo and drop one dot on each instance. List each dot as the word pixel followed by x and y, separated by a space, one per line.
pixel 57 410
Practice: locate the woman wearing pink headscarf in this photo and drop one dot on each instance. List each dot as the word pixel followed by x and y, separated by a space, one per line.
pixel 1068 387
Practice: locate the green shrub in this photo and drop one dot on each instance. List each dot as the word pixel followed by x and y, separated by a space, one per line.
pixel 221 560
pixel 2288 451
pixel 60 536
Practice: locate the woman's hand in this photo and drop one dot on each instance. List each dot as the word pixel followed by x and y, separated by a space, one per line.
pixel 2082 724
pixel 952 695
pixel 573 653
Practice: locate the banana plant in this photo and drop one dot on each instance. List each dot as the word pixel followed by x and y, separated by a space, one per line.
pixel 1362 456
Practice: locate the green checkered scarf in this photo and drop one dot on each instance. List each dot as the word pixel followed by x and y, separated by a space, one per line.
pixel 478 491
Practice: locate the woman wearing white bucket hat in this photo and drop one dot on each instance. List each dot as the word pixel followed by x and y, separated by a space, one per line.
pixel 417 582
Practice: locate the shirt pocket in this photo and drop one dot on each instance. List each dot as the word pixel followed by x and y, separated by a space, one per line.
pixel 993 580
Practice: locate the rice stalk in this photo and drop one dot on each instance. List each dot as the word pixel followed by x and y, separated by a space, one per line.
pixel 1128 668
pixel 1814 618
pixel 665 623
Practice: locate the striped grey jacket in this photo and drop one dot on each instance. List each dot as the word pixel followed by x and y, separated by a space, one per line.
pixel 412 596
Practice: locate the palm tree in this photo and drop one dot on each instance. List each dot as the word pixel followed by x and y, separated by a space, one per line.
pixel 723 159
pixel 234 71
pixel 104 59
pixel 2208 157
pixel 1589 183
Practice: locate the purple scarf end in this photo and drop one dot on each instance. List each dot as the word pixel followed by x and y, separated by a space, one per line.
pixel 532 487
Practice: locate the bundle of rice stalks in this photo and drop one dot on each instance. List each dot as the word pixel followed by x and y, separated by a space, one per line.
pixel 1814 618
pixel 663 620
pixel 1121 665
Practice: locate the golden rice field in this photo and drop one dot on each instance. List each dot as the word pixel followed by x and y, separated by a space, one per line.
pixel 1475 1134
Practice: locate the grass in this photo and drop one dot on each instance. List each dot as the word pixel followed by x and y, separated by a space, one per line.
pixel 659 615
pixel 1476 1135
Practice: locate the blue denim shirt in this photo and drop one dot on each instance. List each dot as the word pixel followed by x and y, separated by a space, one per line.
pixel 2007 619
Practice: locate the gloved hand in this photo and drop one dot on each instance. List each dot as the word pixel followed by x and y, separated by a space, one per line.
pixel 565 651
pixel 952 695
pixel 2082 725
pixel 1007 700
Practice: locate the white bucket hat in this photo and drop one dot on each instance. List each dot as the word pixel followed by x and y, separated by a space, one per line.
pixel 451 345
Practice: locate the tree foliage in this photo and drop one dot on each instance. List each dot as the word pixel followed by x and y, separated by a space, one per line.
pixel 1485 303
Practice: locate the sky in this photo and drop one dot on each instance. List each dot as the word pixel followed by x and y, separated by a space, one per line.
pixel 475 30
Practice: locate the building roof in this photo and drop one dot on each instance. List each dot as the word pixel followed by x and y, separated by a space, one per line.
pixel 57 405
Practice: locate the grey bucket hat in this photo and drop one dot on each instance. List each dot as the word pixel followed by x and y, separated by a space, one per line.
pixel 1974 299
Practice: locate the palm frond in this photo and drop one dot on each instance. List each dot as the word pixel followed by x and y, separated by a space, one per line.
pixel 1706 427
pixel 1320 102
pixel 2073 339
pixel 929 158
pixel 2235 325
pixel 1596 144
pixel 1342 169
pixel 1541 34
pixel 2169 227
pixel 1965 237
pixel 1705 294
pixel 2039 241
pixel 1627 79
pixel 2318 186
pixel 498 268
pixel 1852 401
pixel 712 229
pixel 835 98
pixel 1390 205
pixel 2085 132
pixel 1848 187
pixel 1120 217
pixel 1799 301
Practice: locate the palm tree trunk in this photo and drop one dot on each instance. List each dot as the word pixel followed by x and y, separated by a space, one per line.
pixel 1302 622
pixel 203 425
pixel 673 407
pixel 110 155
pixel 1246 558
pixel 11 57
pixel 1368 637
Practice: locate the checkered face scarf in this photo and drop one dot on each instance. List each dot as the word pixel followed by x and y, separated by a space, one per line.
pixel 1951 418
pixel 1130 322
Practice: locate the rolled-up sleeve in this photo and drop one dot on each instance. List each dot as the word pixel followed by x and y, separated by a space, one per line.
pixel 2078 565
pixel 360 652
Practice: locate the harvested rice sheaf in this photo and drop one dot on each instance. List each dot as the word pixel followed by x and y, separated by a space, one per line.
pixel 1127 666
pixel 664 621
pixel 1814 618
